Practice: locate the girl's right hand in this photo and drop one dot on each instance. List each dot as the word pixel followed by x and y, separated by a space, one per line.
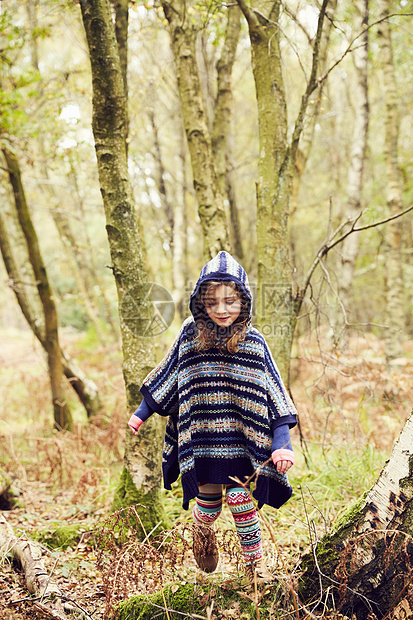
pixel 135 424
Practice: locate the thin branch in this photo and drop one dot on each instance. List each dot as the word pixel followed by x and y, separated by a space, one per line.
pixel 329 244
pixel 295 19
pixel 349 49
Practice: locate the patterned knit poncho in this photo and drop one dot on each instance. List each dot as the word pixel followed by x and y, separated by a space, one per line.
pixel 222 407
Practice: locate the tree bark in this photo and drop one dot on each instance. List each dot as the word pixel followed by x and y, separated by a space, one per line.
pixel 121 8
pixel 307 138
pixel 349 248
pixel 394 274
pixel 179 241
pixel 367 561
pixel 211 209
pixel 141 477
pixel 221 125
pixel 62 414
pixel 23 281
pixel 81 272
pixel 276 313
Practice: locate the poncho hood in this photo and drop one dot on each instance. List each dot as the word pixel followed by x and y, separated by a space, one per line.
pixel 223 268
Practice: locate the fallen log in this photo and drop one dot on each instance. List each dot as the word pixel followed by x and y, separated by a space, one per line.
pixel 366 562
pixel 29 555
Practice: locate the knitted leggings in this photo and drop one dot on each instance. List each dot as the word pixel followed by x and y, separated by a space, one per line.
pixel 208 508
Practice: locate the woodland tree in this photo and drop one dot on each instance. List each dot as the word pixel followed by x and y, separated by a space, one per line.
pixel 349 249
pixel 184 28
pixel 394 272
pixel 140 479
pixel 61 410
pixel 277 155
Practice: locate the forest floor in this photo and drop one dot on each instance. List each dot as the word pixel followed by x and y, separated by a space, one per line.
pixel 352 409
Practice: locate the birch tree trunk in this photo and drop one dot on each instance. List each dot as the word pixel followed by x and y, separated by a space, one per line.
pixel 141 476
pixel 394 273
pixel 349 247
pixel 61 412
pixel 211 209
pixel 367 562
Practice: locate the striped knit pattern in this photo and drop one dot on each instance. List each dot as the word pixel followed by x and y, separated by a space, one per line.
pixel 224 265
pixel 247 523
pixel 208 507
pixel 222 406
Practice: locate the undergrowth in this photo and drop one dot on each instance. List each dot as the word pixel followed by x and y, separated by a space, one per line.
pixel 349 422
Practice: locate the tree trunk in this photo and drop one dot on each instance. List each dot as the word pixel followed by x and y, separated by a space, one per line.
pixel 97 290
pixel 121 8
pixel 141 477
pixel 306 141
pixel 62 414
pixel 179 241
pixel 210 202
pixel 349 248
pixel 394 275
pixel 221 124
pixel 276 316
pixel 22 282
pixel 367 562
pixel 224 98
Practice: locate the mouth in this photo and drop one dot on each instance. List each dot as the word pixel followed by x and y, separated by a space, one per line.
pixel 224 318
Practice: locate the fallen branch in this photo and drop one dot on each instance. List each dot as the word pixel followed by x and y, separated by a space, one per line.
pixel 29 555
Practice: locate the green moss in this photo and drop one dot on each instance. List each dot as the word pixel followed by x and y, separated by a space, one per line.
pixel 190 599
pixel 354 512
pixel 60 538
pixel 146 607
pixel 151 510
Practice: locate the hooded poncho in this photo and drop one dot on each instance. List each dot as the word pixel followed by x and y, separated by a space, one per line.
pixel 222 407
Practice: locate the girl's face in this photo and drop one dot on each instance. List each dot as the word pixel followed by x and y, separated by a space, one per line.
pixel 223 305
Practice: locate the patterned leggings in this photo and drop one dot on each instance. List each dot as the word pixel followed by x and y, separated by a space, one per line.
pixel 208 508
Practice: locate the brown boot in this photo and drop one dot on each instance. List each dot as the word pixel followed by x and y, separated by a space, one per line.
pixel 205 548
pixel 258 572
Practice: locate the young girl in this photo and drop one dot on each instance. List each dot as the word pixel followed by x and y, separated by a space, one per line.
pixel 229 414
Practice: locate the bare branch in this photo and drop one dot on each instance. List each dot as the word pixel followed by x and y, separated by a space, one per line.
pixel 331 242
pixel 350 48
pixel 295 19
pixel 311 86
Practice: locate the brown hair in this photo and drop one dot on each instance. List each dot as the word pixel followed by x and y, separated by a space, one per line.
pixel 208 335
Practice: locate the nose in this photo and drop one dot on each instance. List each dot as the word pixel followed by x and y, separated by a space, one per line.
pixel 222 308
